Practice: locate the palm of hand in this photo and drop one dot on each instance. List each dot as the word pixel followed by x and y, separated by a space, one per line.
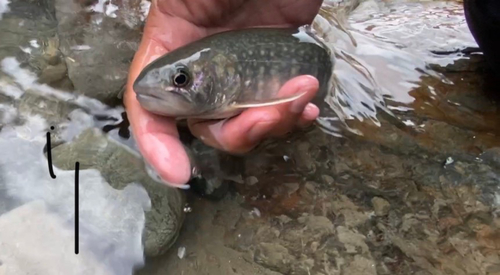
pixel 196 19
pixel 174 23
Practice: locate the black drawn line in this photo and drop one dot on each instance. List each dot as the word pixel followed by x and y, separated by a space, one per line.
pixel 77 202
pixel 77 190
pixel 49 154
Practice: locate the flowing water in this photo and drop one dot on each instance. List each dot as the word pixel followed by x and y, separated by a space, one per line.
pixel 404 181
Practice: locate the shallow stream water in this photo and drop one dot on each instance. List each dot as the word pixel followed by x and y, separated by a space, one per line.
pixel 405 181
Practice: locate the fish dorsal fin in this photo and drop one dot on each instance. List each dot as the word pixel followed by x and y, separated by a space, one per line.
pixel 266 102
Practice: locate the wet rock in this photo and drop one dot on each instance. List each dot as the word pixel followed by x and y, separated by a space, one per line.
pixel 303 159
pixel 20 31
pixel 309 190
pixel 214 189
pixel 97 49
pixel 317 225
pixel 251 180
pixel 267 233
pixel 304 266
pixel 284 219
pixel 354 243
pixel 54 110
pixel 120 167
pixel 492 156
pixel 214 169
pixel 380 206
pixel 291 188
pixel 328 179
pixel 53 73
pixel 361 265
pixel 49 65
pixel 292 235
pixel 274 256
pixel 351 213
pixel 409 221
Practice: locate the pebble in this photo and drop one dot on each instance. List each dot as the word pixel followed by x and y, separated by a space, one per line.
pixel 449 160
pixel 328 179
pixel 256 212
pixel 251 180
pixel 181 252
pixel 380 206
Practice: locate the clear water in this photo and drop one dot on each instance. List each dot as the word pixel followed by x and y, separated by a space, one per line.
pixel 412 125
pixel 384 51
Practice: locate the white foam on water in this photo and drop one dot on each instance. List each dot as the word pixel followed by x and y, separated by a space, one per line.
pixel 105 7
pixel 28 80
pixel 34 43
pixel 10 90
pixel 4 7
pixel 145 6
pixel 8 114
pixel 111 221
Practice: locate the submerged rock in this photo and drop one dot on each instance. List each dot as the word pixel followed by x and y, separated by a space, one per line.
pixel 380 206
pixel 97 48
pixel 119 166
pixel 20 30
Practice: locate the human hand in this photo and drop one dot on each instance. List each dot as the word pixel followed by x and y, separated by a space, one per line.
pixel 172 24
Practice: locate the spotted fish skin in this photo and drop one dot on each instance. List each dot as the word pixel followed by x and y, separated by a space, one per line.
pixel 232 68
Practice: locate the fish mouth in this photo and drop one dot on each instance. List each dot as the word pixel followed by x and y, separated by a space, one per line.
pixel 183 93
pixel 142 97
pixel 165 95
pixel 167 102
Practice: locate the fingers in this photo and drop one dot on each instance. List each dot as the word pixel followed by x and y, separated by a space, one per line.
pixel 291 112
pixel 243 132
pixel 156 137
pixel 311 112
pixel 239 134
pixel 168 30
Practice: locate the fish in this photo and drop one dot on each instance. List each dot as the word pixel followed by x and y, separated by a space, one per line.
pixel 221 75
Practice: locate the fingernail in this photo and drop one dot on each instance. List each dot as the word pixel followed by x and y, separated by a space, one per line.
pixel 156 177
pixel 310 110
pixel 298 105
pixel 259 130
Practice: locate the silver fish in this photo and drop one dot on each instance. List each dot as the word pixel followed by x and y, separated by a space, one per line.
pixel 221 75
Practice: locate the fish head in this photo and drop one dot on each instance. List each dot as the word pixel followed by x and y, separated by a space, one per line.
pixel 181 88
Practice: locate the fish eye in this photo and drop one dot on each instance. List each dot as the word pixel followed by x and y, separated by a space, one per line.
pixel 181 78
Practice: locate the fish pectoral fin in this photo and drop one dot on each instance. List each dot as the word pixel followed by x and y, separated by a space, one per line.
pixel 267 102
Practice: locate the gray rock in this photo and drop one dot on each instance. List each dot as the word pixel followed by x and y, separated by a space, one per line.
pixel 361 265
pixel 317 225
pixel 274 256
pixel 120 167
pixel 492 156
pixel 32 102
pixel 380 206
pixel 251 180
pixel 353 241
pixel 97 49
pixel 29 34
